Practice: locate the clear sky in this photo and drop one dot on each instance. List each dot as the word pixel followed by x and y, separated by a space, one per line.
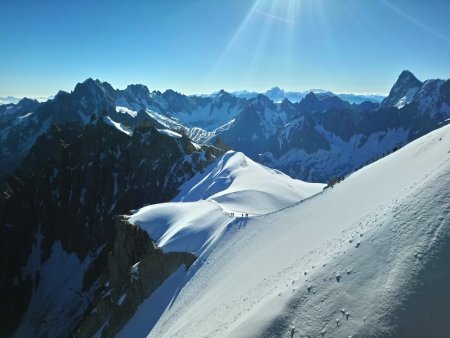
pixel 200 46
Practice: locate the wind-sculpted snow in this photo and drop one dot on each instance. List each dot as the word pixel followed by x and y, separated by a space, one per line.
pixel 239 184
pixel 233 187
pixel 225 196
pixel 182 227
pixel 365 259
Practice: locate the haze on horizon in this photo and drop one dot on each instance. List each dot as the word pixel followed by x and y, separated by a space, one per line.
pixel 201 46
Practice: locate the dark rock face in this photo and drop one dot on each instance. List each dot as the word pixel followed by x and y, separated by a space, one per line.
pixel 93 97
pixel 69 189
pixel 406 85
pixel 12 111
pixel 135 269
pixel 320 103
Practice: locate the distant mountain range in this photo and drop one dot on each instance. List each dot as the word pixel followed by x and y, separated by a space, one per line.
pixel 277 94
pixel 69 166
pixel 319 131
pixel 15 100
pixel 322 136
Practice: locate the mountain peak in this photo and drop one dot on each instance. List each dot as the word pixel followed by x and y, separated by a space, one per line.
pixel 406 75
pixel 262 99
pixel 138 90
pixel 311 96
pixel 93 86
pixel 276 94
pixel 91 83
pixel 403 91
pixel 26 102
pixel 275 90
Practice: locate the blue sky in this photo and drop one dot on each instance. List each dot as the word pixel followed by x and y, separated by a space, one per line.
pixel 200 46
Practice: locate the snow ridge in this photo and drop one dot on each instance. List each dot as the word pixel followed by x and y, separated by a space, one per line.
pixel 345 262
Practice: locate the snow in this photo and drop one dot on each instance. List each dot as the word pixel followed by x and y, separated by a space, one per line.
pixel 59 298
pixel 121 299
pixel 169 133
pixel 182 227
pixel 196 146
pixel 342 156
pixel 407 98
pixel 164 120
pixel 201 214
pixel 380 231
pixel 202 136
pixel 118 126
pixel 99 332
pixel 153 307
pixel 125 110
pixel 209 117
pixel 23 117
pixel 202 211
pixel 235 182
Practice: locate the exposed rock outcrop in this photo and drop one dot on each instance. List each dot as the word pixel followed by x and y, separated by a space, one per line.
pixel 135 269
pixel 66 192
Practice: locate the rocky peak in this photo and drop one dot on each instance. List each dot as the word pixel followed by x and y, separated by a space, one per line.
pixel 27 101
pixel 224 96
pixel 407 77
pixel 403 91
pixel 287 106
pixel 261 101
pixel 94 89
pixel 311 97
pixel 320 103
pixel 139 91
pixel 276 94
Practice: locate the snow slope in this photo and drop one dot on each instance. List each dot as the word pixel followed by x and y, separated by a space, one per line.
pixel 206 208
pixel 118 126
pixel 239 184
pixel 203 209
pixel 375 249
pixel 57 294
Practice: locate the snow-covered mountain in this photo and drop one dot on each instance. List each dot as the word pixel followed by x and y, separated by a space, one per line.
pixel 9 100
pixel 298 138
pixel 131 107
pixel 226 194
pixel 229 190
pixel 322 137
pixel 12 111
pixel 15 100
pixel 403 91
pixel 366 258
pixel 70 165
pixel 277 94
pixel 230 185
pixel 58 220
pixel 429 97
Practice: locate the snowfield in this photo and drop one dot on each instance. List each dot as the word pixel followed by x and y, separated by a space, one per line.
pixel 367 258
pixel 241 185
pixel 226 191
pixel 118 126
